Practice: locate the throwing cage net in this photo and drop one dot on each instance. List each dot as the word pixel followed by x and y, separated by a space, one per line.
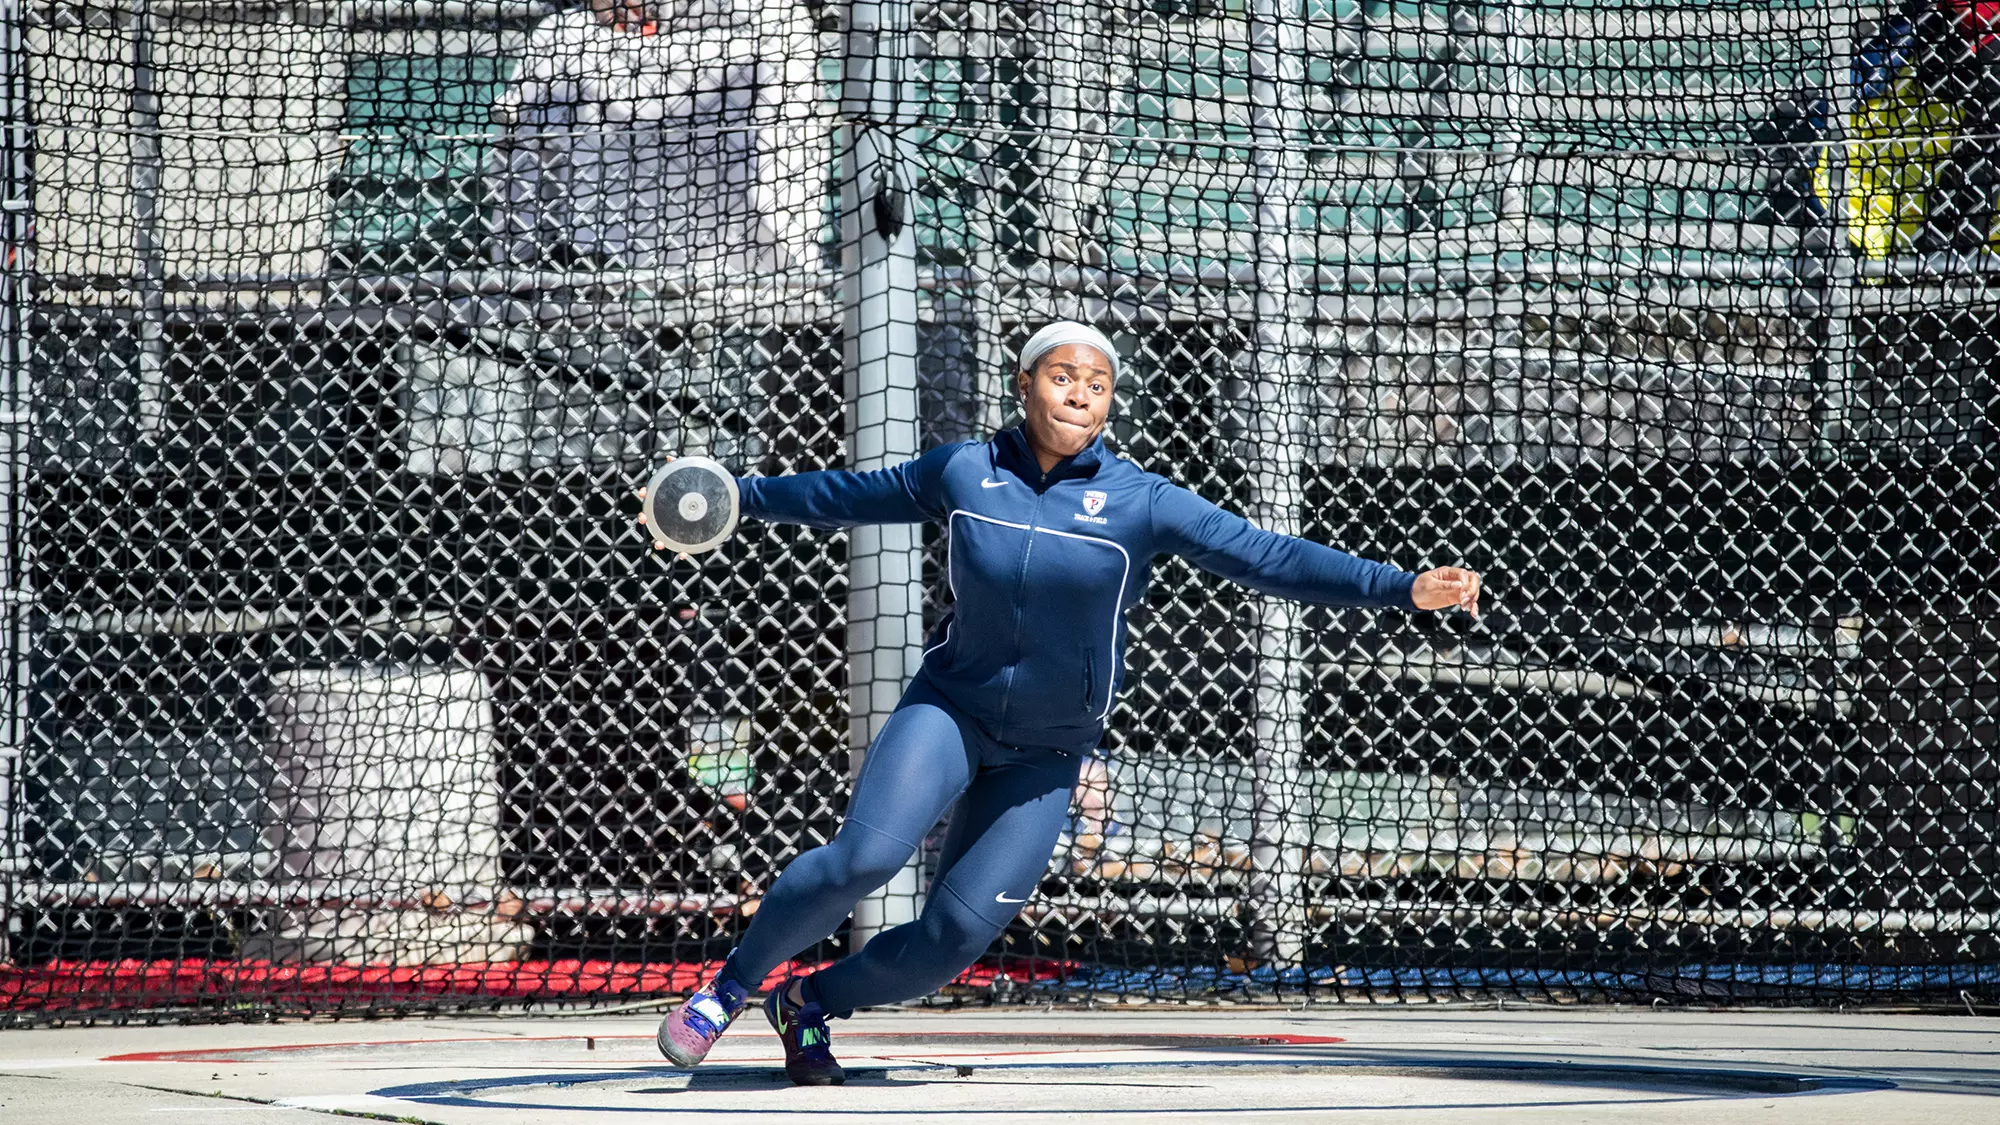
pixel 338 335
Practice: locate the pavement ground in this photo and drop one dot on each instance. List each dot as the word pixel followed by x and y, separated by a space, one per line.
pixel 995 1066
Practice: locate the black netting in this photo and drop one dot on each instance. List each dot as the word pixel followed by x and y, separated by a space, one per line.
pixel 337 336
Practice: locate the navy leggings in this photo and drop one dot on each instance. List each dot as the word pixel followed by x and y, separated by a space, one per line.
pixel 1012 805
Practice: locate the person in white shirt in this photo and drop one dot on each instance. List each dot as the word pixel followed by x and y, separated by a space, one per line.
pixel 685 135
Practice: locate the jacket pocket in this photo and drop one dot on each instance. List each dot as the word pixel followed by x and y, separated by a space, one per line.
pixel 1089 680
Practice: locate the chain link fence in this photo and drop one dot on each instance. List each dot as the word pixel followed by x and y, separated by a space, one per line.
pixel 339 334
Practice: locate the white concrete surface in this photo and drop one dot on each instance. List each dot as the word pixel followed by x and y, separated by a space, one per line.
pixel 1151 1065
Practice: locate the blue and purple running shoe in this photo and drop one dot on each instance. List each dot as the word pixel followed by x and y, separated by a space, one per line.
pixel 691 1029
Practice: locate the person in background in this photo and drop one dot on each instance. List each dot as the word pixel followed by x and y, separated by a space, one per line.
pixel 650 134
pixel 1900 133
pixel 649 143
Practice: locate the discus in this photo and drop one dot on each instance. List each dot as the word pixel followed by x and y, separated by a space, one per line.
pixel 689 506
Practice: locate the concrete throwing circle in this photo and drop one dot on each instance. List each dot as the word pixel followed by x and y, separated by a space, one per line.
pixel 489 1050
pixel 987 1073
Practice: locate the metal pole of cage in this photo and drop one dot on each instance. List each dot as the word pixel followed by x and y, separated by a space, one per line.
pixel 17 206
pixel 878 266
pixel 1280 810
pixel 994 383
pixel 148 168
pixel 1835 369
pixel 1513 225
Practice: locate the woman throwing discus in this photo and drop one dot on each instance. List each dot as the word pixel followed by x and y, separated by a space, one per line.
pixel 1052 539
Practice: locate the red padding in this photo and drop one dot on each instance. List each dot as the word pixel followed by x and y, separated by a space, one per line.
pixel 100 985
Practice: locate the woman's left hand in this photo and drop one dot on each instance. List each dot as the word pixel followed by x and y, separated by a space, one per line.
pixel 1445 587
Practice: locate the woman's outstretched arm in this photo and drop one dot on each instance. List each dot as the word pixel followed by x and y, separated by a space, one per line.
pixel 1226 544
pixel 911 492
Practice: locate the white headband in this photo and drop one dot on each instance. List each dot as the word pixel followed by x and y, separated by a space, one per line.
pixel 1066 332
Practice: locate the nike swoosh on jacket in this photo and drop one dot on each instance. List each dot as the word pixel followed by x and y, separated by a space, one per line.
pixel 1041 576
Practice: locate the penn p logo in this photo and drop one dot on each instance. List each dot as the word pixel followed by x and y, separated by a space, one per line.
pixel 1093 503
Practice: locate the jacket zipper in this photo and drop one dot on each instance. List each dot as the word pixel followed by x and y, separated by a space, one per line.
pixel 1020 596
pixel 1089 679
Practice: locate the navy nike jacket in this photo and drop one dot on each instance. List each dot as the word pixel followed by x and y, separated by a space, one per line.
pixel 1043 567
